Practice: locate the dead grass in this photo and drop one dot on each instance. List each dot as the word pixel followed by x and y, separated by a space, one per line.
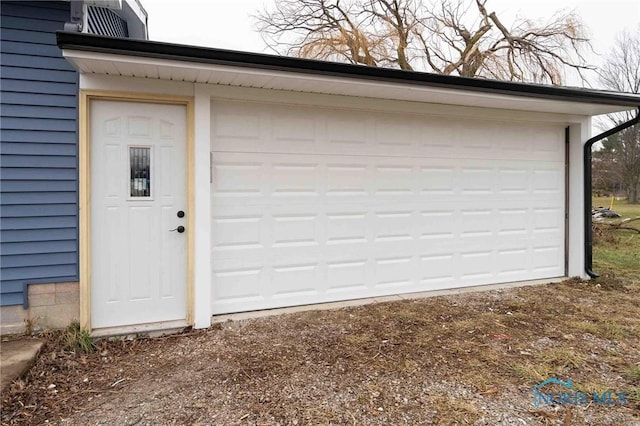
pixel 563 358
pixel 451 411
pixel 430 361
pixel 585 326
pixel 633 373
pixel 529 372
pixel 606 329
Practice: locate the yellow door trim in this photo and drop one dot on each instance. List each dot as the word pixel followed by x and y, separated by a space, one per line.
pixel 86 96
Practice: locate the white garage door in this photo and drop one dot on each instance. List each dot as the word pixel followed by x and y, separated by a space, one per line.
pixel 314 204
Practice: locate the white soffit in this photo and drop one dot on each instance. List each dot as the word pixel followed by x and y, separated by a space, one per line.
pixel 183 71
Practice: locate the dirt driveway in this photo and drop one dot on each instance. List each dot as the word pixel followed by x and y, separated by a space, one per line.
pixel 465 359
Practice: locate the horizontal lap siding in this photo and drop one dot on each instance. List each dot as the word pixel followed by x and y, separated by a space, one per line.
pixel 39 188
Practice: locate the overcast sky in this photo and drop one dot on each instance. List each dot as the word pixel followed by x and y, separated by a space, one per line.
pixel 228 24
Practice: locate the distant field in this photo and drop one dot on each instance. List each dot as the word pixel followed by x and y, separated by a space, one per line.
pixel 620 206
pixel 618 251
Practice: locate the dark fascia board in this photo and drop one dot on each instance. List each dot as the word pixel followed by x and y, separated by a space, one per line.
pixel 187 53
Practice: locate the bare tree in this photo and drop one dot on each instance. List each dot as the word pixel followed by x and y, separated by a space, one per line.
pixel 459 37
pixel 621 73
pixel 604 181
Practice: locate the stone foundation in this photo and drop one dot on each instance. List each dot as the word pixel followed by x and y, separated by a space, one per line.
pixel 52 305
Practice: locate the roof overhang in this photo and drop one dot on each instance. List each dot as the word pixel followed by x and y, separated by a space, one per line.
pixel 92 54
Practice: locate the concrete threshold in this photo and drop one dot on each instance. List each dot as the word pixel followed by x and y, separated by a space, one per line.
pixel 381 299
pixel 155 329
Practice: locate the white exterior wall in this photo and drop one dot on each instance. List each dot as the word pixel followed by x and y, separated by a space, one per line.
pixel 579 133
pixel 135 85
pixel 204 93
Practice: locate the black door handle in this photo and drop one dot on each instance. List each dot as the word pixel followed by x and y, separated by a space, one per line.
pixel 180 229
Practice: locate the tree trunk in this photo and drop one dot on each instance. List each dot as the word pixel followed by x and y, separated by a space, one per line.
pixel 633 194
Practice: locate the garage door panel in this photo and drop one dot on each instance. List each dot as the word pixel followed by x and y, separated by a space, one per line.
pixel 390 133
pixel 513 221
pixel 257 127
pixel 438 266
pixel 295 230
pixel 238 127
pixel 545 142
pixel 547 220
pixel 249 229
pixel 285 175
pixel 348 275
pixel 512 261
pixel 347 227
pixel 476 265
pixel 296 127
pixel 437 180
pixel 513 180
pixel 547 180
pixel 434 135
pixel 238 283
pixel 346 130
pixel 238 232
pixel 237 178
pixel 294 280
pixel 477 138
pixel 347 178
pixel 294 177
pixel 290 284
pixel 315 205
pixel 547 257
pixel 439 224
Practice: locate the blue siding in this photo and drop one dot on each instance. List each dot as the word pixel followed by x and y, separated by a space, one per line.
pixel 39 260
pixel 13 135
pixel 35 247
pixel 18 73
pixel 9 34
pixel 56 11
pixel 18 48
pixel 59 221
pixel 38 197
pixel 38 137
pixel 38 174
pixel 57 125
pixel 22 186
pixel 47 87
pixel 42 148
pixel 43 211
pixel 40 100
pixel 17 60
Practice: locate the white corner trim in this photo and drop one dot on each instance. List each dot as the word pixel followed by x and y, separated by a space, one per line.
pixel 202 234
pixel 578 135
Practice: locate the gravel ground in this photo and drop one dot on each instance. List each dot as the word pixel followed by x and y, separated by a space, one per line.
pixel 467 359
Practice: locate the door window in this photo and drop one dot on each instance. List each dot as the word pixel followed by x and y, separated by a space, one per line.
pixel 140 171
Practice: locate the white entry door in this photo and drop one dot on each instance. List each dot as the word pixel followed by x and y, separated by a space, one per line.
pixel 138 213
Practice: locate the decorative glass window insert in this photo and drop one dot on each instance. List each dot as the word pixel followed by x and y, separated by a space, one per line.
pixel 140 172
